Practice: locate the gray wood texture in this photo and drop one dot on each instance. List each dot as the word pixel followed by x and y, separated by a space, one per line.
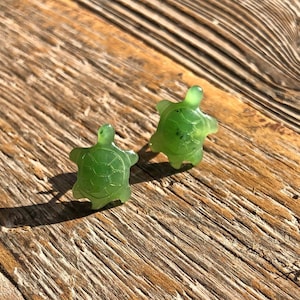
pixel 246 47
pixel 226 229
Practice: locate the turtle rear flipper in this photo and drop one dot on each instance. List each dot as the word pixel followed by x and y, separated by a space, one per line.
pixel 125 194
pixel 196 156
pixel 76 191
pixel 100 203
pixel 176 164
pixel 154 142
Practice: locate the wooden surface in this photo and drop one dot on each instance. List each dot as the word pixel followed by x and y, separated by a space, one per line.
pixel 226 229
pixel 246 47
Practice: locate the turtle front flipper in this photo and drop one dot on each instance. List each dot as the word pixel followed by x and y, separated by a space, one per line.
pixel 133 157
pixel 212 125
pixel 76 154
pixel 163 105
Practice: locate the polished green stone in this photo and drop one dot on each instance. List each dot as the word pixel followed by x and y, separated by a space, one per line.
pixel 103 170
pixel 182 129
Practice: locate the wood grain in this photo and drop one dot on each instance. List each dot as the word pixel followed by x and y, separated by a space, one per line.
pixel 226 229
pixel 247 47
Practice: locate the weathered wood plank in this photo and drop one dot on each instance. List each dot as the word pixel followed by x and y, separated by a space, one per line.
pixel 227 229
pixel 247 47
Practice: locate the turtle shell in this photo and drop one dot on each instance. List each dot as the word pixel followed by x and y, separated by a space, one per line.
pixel 181 132
pixel 103 172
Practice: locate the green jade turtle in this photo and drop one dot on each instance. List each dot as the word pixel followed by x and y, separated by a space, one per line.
pixel 103 170
pixel 182 129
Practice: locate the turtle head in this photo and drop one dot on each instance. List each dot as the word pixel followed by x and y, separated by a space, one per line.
pixel 106 134
pixel 193 96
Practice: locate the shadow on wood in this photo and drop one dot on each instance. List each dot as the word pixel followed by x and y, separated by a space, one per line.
pixel 153 171
pixel 43 214
pixel 54 211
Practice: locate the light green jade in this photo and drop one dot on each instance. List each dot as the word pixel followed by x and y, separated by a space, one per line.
pixel 182 129
pixel 103 170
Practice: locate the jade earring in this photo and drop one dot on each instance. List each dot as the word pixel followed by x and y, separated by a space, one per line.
pixel 182 129
pixel 103 170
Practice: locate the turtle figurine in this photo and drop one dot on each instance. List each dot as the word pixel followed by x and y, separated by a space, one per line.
pixel 103 170
pixel 182 129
